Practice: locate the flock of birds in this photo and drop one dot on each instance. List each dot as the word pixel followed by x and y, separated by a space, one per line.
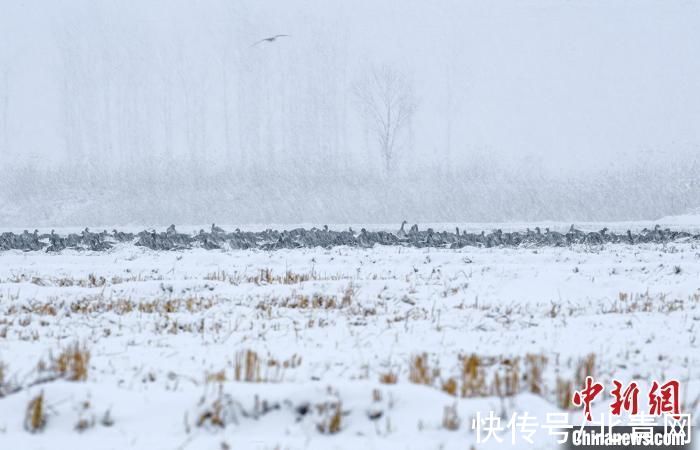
pixel 217 238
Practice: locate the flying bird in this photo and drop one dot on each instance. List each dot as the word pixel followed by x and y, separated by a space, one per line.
pixel 270 39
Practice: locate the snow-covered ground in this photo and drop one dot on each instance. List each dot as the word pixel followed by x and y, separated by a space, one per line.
pixel 272 345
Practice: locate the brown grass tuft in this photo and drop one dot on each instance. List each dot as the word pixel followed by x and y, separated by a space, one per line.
pixel 250 367
pixel 585 368
pixel 388 378
pixel 212 416
pixel 565 392
pixel 332 418
pixel 420 372
pixel 534 367
pixel 473 378
pixel 72 363
pixel 450 418
pixel 215 377
pixel 247 367
pixel 450 386
pixel 348 296
pixel 35 416
pixel 506 378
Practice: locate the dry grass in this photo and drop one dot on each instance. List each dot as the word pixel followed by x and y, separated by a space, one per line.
pixel 335 424
pixel 388 378
pixel 86 419
pixel 565 387
pixel 450 418
pixel 248 366
pixel 506 378
pixel 265 276
pixel 95 281
pixel 450 387
pixel 221 409
pixel 303 301
pixel 72 363
pixel 35 416
pixel 534 367
pixel 473 377
pixel 97 304
pixel 481 376
pixel 331 417
pixel 564 393
pixel 348 295
pixel 291 363
pixel 628 303
pixel 92 280
pixel 584 369
pixel 215 377
pixel 419 371
pixel 213 415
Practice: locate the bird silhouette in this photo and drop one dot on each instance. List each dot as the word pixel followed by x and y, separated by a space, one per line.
pixel 270 39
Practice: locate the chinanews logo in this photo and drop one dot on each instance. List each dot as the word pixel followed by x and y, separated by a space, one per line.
pixel 652 420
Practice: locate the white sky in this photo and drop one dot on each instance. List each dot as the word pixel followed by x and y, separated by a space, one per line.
pixel 567 81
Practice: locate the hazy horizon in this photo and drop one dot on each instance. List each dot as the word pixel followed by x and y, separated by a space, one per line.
pixel 540 109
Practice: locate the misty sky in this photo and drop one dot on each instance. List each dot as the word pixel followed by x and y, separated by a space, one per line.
pixel 162 111
pixel 565 81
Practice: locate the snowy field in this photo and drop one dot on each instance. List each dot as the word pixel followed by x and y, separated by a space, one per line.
pixel 345 348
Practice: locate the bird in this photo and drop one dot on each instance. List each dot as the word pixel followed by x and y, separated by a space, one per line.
pixel 401 233
pixel 270 39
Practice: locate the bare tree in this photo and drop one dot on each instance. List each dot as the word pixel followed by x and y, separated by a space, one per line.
pixel 387 105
